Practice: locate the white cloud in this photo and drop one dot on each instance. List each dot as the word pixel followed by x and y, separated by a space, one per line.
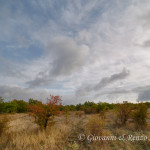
pixel 82 43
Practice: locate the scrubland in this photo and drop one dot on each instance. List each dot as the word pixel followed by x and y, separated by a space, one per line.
pixel 78 131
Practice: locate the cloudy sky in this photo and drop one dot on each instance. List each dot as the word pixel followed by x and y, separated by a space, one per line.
pixel 83 50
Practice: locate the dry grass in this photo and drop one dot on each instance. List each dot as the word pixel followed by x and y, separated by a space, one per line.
pixel 3 123
pixel 23 134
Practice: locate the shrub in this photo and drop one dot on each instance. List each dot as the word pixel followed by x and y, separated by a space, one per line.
pixel 102 106
pixel 79 114
pixel 140 116
pixel 78 107
pixel 123 113
pixel 33 102
pixel 102 114
pixel 44 112
pixel 66 113
pixel 10 107
pixel 90 110
pixel 15 106
pixel 95 126
pixel 21 105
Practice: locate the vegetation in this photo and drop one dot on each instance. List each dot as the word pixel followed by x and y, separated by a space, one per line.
pixel 95 126
pixel 43 112
pixel 3 123
pixel 123 113
pixel 140 116
pixel 66 110
pixel 1 104
pixel 23 131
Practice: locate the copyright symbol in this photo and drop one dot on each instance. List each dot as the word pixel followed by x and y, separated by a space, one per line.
pixel 81 137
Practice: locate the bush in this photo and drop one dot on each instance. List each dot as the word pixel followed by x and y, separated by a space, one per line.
pixel 33 102
pixel 79 114
pixel 45 112
pixel 10 107
pixel 103 106
pixel 140 116
pixel 102 114
pixel 95 126
pixel 66 113
pixel 90 110
pixel 123 113
pixel 21 105
pixel 15 106
pixel 1 104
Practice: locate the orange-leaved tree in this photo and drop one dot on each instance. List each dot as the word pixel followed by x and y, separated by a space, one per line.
pixel 43 112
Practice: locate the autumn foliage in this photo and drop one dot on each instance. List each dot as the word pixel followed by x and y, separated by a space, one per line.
pixel 45 112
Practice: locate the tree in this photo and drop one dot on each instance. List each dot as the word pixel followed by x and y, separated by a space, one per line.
pixel 10 107
pixel 33 102
pixel 21 105
pixel 1 104
pixel 78 107
pixel 1 100
pixel 43 112
pixel 123 112
pixel 89 107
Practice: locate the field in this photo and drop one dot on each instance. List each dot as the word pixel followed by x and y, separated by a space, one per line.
pixel 78 131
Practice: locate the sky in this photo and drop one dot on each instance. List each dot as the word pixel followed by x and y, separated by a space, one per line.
pixel 81 50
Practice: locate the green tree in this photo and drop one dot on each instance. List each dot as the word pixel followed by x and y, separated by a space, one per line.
pixel 21 105
pixel 1 104
pixel 10 107
pixel 33 101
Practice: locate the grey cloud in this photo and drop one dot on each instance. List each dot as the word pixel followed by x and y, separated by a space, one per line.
pixel 143 92
pixel 144 95
pixel 107 80
pixel 39 82
pixel 141 88
pixel 146 44
pixel 10 92
pixel 104 82
pixel 66 57
pixel 14 92
pixel 146 19
pixel 113 91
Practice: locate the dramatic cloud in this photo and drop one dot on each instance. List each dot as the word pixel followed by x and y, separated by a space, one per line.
pixel 66 57
pixel 103 82
pixel 75 48
pixel 108 80
pixel 144 93
pixel 144 96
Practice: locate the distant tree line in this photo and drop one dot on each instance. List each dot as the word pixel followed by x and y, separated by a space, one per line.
pixel 21 106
